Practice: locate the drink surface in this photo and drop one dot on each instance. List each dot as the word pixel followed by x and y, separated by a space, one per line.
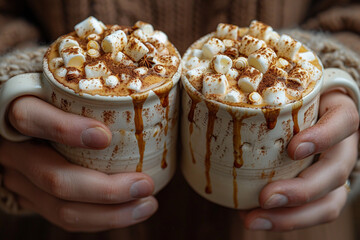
pixel 112 60
pixel 251 67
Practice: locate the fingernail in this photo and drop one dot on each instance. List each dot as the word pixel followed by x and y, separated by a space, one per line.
pixel 261 224
pixel 276 200
pixel 140 189
pixel 304 150
pixel 143 210
pixel 95 137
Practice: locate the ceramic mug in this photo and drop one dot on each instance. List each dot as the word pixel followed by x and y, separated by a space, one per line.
pixel 230 153
pixel 143 125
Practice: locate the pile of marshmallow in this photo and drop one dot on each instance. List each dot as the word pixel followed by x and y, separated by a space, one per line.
pixel 247 55
pixel 128 50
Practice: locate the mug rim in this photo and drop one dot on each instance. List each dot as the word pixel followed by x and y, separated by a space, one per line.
pixel 190 89
pixel 138 96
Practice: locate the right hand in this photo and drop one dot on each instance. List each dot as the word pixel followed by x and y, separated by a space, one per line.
pixel 70 196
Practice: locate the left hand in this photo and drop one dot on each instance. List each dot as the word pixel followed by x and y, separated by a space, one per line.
pixel 317 195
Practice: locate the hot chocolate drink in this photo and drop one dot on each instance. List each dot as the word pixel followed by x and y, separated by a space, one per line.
pixel 112 60
pixel 247 92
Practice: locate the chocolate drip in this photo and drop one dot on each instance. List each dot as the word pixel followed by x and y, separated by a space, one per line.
pixel 139 128
pixel 213 109
pixel 194 102
pixel 271 115
pixel 238 152
pixel 164 100
pixel 295 112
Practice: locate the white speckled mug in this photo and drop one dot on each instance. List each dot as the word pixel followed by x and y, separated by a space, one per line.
pixel 230 153
pixel 143 125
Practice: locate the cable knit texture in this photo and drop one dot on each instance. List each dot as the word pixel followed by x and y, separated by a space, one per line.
pixel 332 54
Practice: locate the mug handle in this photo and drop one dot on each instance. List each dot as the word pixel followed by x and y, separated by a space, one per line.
pixel 334 77
pixel 20 85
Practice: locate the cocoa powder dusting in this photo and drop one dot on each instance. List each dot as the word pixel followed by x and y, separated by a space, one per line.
pixel 65 105
pixel 108 117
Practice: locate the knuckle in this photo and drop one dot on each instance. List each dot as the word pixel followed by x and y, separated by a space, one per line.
pixel 110 194
pixel 19 116
pixel 59 131
pixel 56 184
pixel 333 212
pixel 67 217
pixel 352 118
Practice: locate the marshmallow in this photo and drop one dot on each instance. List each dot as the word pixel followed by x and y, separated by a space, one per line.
pixel 287 47
pixel 278 72
pixel 140 71
pixel 158 36
pixel 67 43
pixel 255 98
pixel 240 63
pixel 139 34
pixel 152 50
pixel 262 59
pixel 260 30
pixel 61 72
pixel 306 56
pixel 147 28
pixel 299 77
pixel 250 79
pixel 196 53
pixel 282 63
pixel 90 84
pixel 232 52
pixel 228 31
pixel 314 72
pixel 111 81
pixel 73 73
pixel 212 47
pixel 93 53
pixel 232 74
pixel 222 64
pixel 56 62
pixel 93 45
pixel 161 70
pixel 272 39
pixel 135 49
pixel 97 70
pixel 135 85
pixel 195 74
pixel 275 95
pixel 293 94
pixel 73 56
pixel 114 42
pixel 125 77
pixel 193 62
pixel 229 43
pixel 250 44
pixel 122 58
pixel 214 84
pixel 88 26
pixel 243 31
pixel 233 96
pixel 93 36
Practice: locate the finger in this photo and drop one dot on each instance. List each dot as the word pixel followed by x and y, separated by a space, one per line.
pixel 320 211
pixel 74 216
pixel 330 172
pixel 338 119
pixel 53 174
pixel 34 117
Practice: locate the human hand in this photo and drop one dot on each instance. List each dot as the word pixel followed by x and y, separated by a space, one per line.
pixel 70 196
pixel 318 194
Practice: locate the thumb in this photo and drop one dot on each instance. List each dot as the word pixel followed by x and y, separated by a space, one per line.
pixel 34 117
